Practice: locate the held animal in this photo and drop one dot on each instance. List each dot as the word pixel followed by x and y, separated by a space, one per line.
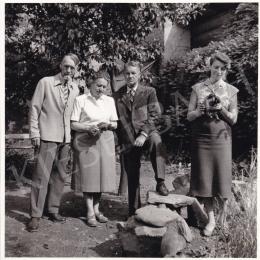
pixel 211 102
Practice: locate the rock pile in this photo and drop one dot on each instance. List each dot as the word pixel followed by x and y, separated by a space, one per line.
pixel 158 224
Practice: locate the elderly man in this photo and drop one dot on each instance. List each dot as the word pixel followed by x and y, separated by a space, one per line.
pixel 49 121
pixel 138 110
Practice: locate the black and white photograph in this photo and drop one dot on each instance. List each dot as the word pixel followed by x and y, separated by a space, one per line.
pixel 130 129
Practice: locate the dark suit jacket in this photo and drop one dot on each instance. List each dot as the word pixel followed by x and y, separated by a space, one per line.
pixel 139 116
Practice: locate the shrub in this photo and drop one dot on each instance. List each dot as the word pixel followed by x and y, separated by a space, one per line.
pixel 177 77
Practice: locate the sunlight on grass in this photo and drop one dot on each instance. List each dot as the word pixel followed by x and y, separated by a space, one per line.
pixel 240 240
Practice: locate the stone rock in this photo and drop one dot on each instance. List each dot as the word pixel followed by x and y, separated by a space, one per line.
pixel 181 184
pixel 130 244
pixel 177 201
pixel 173 240
pixel 183 211
pixel 150 231
pixel 130 224
pixel 186 232
pixel 152 215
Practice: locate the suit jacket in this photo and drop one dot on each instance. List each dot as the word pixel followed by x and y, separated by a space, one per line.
pixel 139 116
pixel 49 116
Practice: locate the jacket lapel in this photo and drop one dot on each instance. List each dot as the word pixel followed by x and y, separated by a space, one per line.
pixel 125 99
pixel 138 95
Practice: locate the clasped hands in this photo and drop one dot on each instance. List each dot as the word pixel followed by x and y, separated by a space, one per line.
pixel 96 130
pixel 202 109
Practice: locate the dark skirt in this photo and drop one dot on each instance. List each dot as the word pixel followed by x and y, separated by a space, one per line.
pixel 94 164
pixel 211 164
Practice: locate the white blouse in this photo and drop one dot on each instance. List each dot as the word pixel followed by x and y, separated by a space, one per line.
pixel 94 111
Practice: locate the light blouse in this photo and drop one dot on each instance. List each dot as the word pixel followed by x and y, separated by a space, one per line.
pixel 93 111
pixel 222 89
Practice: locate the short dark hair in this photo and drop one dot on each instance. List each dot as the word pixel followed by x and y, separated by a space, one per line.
pixel 133 64
pixel 73 56
pixel 222 57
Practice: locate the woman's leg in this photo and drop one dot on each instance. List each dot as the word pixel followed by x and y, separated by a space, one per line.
pixel 96 201
pixel 222 212
pixel 89 198
pixel 209 207
pixel 99 216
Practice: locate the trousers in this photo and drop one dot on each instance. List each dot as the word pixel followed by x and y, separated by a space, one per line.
pixel 49 177
pixel 132 163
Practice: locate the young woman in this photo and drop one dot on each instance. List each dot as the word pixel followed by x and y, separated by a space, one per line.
pixel 212 111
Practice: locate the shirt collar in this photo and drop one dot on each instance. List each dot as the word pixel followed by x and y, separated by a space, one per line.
pixel 58 81
pixel 220 83
pixel 134 88
pixel 93 98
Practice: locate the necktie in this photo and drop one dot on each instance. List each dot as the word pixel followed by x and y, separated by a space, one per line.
pixel 131 95
pixel 65 90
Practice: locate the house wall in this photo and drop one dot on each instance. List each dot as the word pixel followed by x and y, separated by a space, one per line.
pixel 176 41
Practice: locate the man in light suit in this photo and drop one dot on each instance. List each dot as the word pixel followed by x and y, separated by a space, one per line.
pixel 138 110
pixel 49 121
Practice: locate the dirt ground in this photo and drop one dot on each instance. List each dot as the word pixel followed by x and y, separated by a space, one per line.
pixel 75 238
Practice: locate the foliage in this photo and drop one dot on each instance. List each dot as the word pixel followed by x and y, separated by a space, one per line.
pixel 102 35
pixel 183 13
pixel 38 35
pixel 241 44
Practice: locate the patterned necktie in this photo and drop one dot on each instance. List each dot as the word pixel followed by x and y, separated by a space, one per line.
pixel 65 90
pixel 131 95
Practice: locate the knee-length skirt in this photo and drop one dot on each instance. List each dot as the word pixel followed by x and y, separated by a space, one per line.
pixel 94 164
pixel 211 163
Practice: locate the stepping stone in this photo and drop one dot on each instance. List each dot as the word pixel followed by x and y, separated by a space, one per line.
pixel 150 231
pixel 177 201
pixel 152 215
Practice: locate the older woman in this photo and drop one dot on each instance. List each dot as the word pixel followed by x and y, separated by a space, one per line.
pixel 212 110
pixel 93 118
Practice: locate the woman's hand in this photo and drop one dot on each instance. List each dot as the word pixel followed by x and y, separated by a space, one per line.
pixel 200 110
pixel 104 126
pixel 93 130
pixel 218 107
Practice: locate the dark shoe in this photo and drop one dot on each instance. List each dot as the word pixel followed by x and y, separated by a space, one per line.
pixel 55 217
pixel 33 225
pixel 101 218
pixel 162 189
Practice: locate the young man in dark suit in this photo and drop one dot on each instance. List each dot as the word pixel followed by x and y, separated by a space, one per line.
pixel 138 109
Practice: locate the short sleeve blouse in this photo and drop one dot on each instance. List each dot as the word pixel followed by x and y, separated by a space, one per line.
pixel 224 91
pixel 93 111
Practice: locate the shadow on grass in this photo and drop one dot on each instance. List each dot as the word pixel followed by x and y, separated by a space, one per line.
pixel 73 206
pixel 110 248
pixel 17 205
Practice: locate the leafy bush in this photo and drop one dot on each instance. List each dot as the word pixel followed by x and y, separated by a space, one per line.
pixel 241 45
